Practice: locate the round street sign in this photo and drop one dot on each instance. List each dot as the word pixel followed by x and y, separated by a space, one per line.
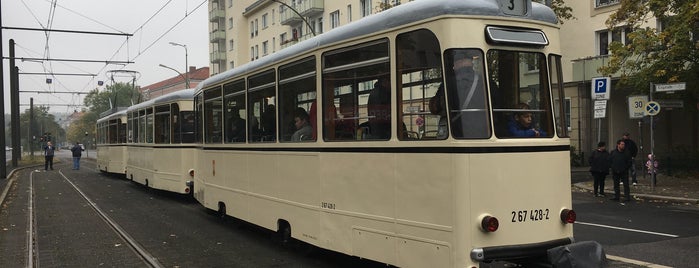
pixel 652 108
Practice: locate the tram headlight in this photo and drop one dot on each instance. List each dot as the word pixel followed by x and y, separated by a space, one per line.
pixel 490 224
pixel 568 215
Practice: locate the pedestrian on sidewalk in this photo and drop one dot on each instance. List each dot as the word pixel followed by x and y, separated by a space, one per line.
pixel 599 167
pixel 632 150
pixel 48 156
pixel 77 153
pixel 620 163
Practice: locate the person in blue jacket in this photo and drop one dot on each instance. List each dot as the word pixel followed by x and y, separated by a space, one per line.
pixel 521 124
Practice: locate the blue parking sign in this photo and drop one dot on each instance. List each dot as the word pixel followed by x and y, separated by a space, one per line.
pixel 601 86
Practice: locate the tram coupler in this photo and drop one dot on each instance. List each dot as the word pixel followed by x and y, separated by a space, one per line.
pixel 579 254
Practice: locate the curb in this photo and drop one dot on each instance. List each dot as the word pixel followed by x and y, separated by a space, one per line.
pixel 581 185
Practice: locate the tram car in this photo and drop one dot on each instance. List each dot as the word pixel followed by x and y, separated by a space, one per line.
pixel 111 141
pixel 431 134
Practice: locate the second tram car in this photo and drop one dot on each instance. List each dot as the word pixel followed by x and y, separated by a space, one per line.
pixel 160 142
pixel 111 141
pixel 427 135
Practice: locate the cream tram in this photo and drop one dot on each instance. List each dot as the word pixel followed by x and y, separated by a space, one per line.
pixel 432 135
pixel 160 142
pixel 111 141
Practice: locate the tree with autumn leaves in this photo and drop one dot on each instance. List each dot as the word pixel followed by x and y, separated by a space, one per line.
pixel 667 54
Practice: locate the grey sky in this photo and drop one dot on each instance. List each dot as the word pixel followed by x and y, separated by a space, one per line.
pixel 147 48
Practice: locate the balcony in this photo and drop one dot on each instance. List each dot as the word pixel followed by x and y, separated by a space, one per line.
pixel 217 35
pixel 289 17
pixel 310 8
pixel 585 69
pixel 216 15
pixel 217 56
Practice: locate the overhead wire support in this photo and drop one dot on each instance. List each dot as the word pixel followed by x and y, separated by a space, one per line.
pixel 56 74
pixel 52 92
pixel 70 60
pixel 65 31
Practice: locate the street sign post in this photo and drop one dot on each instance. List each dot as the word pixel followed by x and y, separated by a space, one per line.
pixel 652 108
pixel 601 87
pixel 670 87
pixel 637 105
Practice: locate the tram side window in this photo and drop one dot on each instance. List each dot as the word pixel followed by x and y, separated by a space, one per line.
pixel 213 115
pixel 466 94
pixel 133 127
pixel 234 107
pixel 162 124
pixel 149 125
pixel 521 104
pixel 198 113
pixel 297 96
pixel 262 115
pixel 558 93
pixel 112 132
pixel 357 93
pixel 121 131
pixel 419 65
pixel 142 126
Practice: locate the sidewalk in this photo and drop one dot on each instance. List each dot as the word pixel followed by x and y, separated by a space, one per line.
pixel 670 189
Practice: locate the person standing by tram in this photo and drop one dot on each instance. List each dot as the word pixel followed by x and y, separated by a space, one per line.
pixel 632 150
pixel 620 162
pixel 49 150
pixel 77 153
pixel 599 167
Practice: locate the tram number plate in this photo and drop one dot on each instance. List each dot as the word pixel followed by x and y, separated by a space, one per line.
pixel 530 215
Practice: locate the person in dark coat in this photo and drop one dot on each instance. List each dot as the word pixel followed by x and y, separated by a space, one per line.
pixel 632 150
pixel 77 153
pixel 620 163
pixel 599 167
pixel 48 155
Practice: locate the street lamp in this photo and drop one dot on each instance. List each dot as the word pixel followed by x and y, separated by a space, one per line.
pixel 186 63
pixel 178 72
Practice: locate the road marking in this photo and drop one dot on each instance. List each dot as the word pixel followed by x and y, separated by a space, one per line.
pixel 626 229
pixel 636 262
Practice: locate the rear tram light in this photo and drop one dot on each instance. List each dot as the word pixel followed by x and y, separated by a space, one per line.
pixel 490 224
pixel 191 172
pixel 568 216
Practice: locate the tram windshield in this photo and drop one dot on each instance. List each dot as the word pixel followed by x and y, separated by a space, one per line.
pixel 520 94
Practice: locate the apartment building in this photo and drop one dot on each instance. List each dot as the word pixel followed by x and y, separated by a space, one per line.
pixel 246 30
pixel 241 31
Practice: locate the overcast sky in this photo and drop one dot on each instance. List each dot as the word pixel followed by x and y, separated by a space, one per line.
pixel 153 23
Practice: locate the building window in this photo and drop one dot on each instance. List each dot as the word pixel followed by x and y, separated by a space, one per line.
pixel 605 37
pixel 230 3
pixel 264 21
pixel 257 52
pixel 230 45
pixel 265 48
pixel 252 29
pixel 257 24
pixel 252 53
pixel 230 23
pixel 319 26
pixel 365 6
pixel 334 19
pixel 349 13
pixel 231 65
pixel 604 3
pixel 567 112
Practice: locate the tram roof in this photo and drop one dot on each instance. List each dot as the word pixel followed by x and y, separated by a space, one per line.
pixel 112 113
pixel 185 94
pixel 407 13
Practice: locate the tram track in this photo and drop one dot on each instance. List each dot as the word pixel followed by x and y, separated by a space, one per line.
pixel 33 227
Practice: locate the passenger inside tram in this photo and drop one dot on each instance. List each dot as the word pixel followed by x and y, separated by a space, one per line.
pixel 521 124
pixel 236 127
pixel 304 131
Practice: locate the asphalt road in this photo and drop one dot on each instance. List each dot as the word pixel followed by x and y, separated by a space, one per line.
pixel 642 232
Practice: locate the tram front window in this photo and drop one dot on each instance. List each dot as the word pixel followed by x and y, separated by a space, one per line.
pixel 466 95
pixel 520 94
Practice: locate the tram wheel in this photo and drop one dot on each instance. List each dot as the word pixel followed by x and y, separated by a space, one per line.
pixel 283 235
pixel 221 213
